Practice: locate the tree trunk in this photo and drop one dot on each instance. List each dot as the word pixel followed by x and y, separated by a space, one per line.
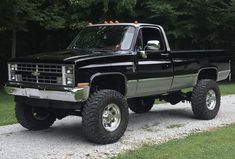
pixel 13 47
pixel 233 60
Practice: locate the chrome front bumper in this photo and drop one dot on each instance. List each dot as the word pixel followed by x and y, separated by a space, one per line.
pixel 73 95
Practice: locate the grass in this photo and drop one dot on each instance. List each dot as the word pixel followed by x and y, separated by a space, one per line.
pixel 7 114
pixel 7 110
pixel 227 88
pixel 215 144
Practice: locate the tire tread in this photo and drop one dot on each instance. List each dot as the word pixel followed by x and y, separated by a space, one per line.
pixel 90 125
pixel 199 107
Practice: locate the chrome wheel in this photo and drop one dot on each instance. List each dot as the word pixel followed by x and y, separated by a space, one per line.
pixel 111 117
pixel 211 100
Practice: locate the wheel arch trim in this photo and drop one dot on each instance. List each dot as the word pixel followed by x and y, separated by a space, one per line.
pixel 207 68
pixel 99 74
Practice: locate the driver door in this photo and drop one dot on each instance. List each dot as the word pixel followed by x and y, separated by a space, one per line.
pixel 155 70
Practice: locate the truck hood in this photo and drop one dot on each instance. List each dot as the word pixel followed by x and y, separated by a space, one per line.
pixel 66 56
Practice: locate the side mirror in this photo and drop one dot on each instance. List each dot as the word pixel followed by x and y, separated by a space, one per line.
pixel 153 45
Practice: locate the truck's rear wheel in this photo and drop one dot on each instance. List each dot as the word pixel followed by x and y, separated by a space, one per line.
pixel 141 105
pixel 105 117
pixel 33 118
pixel 206 99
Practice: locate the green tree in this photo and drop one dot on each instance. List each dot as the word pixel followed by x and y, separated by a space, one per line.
pixel 97 11
pixel 14 15
pixel 195 23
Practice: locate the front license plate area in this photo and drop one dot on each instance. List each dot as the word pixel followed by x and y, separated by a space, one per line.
pixel 33 93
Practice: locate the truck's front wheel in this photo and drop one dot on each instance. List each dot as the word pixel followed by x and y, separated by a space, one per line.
pixel 33 118
pixel 105 117
pixel 206 99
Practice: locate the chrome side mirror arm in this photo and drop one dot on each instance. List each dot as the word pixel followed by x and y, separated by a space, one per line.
pixel 143 54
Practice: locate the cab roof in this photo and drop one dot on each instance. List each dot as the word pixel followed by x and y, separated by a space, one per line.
pixel 124 24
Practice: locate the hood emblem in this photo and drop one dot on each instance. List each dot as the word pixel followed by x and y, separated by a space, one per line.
pixel 36 73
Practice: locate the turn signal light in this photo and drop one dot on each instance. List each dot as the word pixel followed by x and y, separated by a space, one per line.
pixel 82 85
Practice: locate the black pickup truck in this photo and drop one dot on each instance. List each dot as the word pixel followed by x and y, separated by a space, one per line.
pixel 109 68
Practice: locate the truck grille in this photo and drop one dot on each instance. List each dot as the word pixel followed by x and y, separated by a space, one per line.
pixel 39 73
pixel 40 68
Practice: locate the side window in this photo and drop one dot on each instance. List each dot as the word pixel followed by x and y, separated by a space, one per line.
pixel 151 34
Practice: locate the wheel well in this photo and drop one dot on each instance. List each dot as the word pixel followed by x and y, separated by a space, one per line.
pixel 208 74
pixel 115 82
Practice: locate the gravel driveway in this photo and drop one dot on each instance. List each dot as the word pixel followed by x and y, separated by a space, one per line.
pixel 65 140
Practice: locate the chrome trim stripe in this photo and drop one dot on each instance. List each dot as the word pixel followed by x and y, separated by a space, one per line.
pixel 91 58
pixel 154 79
pixel 185 76
pixel 125 64
pixel 153 62
pixel 225 71
pixel 75 57
pixel 107 65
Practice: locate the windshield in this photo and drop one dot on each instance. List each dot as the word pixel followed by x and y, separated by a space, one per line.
pixel 116 38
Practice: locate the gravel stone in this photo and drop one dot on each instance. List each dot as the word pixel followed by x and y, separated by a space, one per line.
pixel 64 140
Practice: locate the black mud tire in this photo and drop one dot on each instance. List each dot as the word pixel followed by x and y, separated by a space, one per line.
pixel 25 116
pixel 199 97
pixel 141 105
pixel 92 113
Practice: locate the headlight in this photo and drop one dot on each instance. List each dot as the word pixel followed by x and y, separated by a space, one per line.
pixel 69 69
pixel 12 67
pixel 11 72
pixel 13 78
pixel 68 75
pixel 69 81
